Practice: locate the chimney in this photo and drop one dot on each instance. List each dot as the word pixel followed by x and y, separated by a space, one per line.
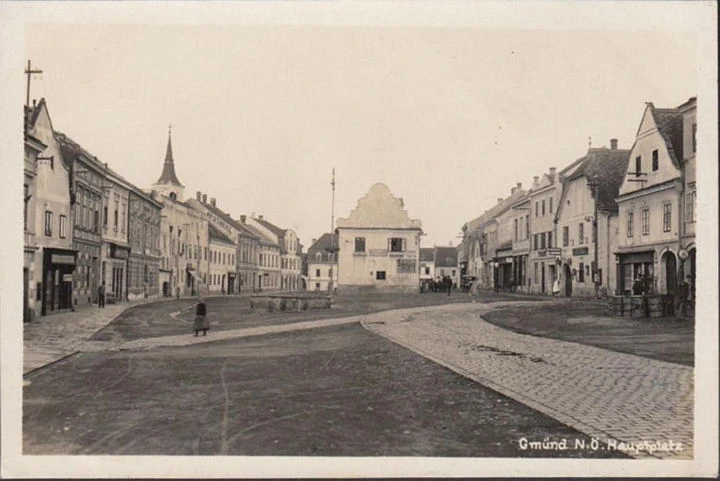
pixel 536 181
pixel 613 144
pixel 204 199
pixel 198 195
pixel 519 185
pixel 499 199
pixel 313 242
pixel 512 190
pixel 34 103
pixel 260 217
pixel 552 172
pixel 212 201
pixel 243 218
pixel 252 215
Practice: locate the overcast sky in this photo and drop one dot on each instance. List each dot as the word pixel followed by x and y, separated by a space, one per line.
pixel 449 118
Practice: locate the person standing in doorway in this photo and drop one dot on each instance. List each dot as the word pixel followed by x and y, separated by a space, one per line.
pixel 556 287
pixel 685 295
pixel 101 295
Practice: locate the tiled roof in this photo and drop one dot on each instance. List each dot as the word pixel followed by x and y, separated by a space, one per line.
pixel 323 244
pixel 238 226
pixel 442 254
pixel 271 227
pixel 670 125
pixel 215 233
pixel 610 166
pixel 427 254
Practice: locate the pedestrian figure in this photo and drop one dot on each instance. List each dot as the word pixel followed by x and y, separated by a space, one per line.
pixel 101 295
pixel 685 295
pixel 556 287
pixel 448 284
pixel 201 321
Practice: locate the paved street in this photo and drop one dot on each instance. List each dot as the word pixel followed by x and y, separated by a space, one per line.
pixel 614 397
pixel 609 396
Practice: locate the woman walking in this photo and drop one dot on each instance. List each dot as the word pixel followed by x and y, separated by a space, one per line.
pixel 201 321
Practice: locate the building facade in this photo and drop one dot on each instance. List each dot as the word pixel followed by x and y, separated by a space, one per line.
pixel 657 203
pixel 322 263
pixel 587 219
pixel 379 245
pixel 222 266
pixel 54 259
pixel 143 272
pixel 543 265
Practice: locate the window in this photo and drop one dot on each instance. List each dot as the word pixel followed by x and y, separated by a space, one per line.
pixel 566 236
pixel 536 273
pixel 550 208
pixel 630 226
pixel 537 205
pixel 397 244
pixel 48 223
pixel 26 199
pixel 427 270
pixel 694 138
pixel 542 240
pixel 667 216
pixel 317 272
pixel 690 206
pixel 516 229
pixel 534 242
pixel 638 166
pixel 380 275
pixel 527 226
pixel 96 221
pixel 543 207
pixel 581 233
pixel 116 218
pixel 581 273
pixel 655 162
pixel 549 242
pixel 105 217
pixel 359 244
pixel 61 229
pixel 646 222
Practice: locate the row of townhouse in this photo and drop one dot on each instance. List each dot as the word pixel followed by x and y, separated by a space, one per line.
pixel 85 226
pixel 596 227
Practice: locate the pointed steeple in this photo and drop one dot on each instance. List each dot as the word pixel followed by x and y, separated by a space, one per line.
pixel 168 173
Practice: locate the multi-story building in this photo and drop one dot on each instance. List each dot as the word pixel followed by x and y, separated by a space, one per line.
pixel 185 241
pixel 655 238
pixel 520 218
pixel 144 239
pixel 499 231
pixel 115 251
pixel 290 261
pixel 54 259
pixel 379 244
pixel 222 265
pixel 32 273
pixel 89 209
pixel 586 220
pixel 544 254
pixel 322 263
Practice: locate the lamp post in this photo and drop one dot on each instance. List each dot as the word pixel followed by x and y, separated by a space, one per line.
pixel 594 183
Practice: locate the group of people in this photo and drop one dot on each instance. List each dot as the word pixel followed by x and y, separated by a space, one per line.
pixel 439 284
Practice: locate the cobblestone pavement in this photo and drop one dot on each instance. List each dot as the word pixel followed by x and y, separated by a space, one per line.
pixel 613 397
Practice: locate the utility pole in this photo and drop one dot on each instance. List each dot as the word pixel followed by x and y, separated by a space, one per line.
pixel 332 250
pixel 594 184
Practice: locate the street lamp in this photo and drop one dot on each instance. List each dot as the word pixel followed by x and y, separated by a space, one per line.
pixel 594 184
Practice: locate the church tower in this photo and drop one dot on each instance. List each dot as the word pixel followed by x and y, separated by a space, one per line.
pixel 168 183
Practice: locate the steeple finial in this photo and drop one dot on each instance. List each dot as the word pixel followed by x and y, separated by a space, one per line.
pixel 168 175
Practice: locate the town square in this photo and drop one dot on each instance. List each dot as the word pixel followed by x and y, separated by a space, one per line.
pixel 377 243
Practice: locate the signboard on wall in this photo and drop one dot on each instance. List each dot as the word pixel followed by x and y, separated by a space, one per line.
pixel 406 266
pixel 580 251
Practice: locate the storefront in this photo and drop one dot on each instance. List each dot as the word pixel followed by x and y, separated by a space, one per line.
pixel 503 274
pixel 635 272
pixel 117 268
pixel 56 287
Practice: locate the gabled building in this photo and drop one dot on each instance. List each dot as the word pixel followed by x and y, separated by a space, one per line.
pixel 445 263
pixel 586 221
pixel 269 273
pixel 379 244
pixel 221 259
pixel 290 261
pixel 520 217
pixel 657 202
pixel 54 259
pixel 322 263
pixel 427 267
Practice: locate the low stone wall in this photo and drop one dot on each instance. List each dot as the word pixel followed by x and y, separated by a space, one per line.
pixel 658 305
pixel 289 302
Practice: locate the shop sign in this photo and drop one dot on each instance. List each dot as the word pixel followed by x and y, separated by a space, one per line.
pixel 67 277
pixel 580 251
pixel 62 259
pixel 118 252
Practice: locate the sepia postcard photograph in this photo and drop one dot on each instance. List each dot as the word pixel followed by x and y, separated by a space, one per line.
pixel 359 239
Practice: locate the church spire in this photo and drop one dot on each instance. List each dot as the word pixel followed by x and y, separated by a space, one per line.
pixel 168 176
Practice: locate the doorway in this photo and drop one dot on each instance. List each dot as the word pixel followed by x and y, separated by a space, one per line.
pixel 670 264
pixel 567 274
pixel 542 278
